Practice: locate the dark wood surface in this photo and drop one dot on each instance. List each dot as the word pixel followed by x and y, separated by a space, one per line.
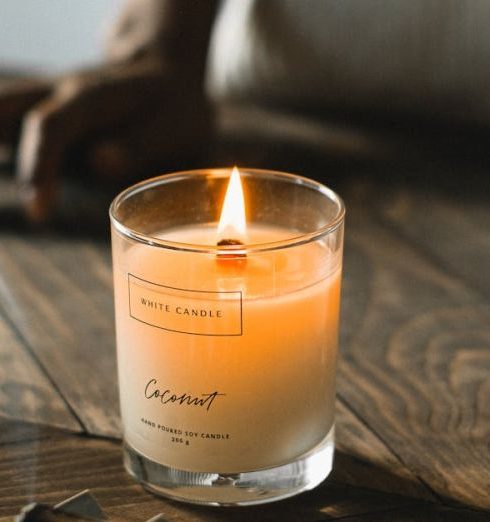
pixel 413 409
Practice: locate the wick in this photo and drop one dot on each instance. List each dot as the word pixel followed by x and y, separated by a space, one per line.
pixel 229 253
pixel 229 242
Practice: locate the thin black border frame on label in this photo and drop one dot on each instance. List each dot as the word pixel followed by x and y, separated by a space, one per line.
pixel 239 292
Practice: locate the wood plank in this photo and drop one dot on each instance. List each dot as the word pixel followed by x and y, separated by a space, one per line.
pixel 51 470
pixel 13 431
pixel 452 226
pixel 361 459
pixel 67 325
pixel 25 391
pixel 416 359
pixel 56 287
pixel 422 513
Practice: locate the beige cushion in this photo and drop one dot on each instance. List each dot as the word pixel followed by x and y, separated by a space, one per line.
pixel 421 56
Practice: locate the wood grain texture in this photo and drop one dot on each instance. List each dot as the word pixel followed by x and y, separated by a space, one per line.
pixel 416 359
pixel 65 316
pixel 13 431
pixel 451 226
pixel 422 513
pixel 50 470
pixel 363 460
pixel 25 391
pixel 56 288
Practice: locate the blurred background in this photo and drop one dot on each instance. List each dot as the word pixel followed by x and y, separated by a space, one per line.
pixel 53 36
pixel 390 90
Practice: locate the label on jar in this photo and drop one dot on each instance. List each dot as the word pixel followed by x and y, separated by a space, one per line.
pixel 199 392
pixel 194 312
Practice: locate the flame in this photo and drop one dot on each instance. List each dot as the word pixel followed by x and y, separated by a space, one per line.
pixel 233 223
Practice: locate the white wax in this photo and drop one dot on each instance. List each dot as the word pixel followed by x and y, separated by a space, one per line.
pixel 267 386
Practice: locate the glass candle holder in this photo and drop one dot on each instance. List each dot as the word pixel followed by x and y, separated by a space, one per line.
pixel 227 352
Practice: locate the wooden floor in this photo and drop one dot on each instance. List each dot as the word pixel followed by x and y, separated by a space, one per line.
pixel 413 409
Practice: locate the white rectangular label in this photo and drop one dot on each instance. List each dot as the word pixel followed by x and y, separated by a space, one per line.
pixel 195 312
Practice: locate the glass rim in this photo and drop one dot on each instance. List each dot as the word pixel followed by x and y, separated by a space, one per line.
pixel 295 240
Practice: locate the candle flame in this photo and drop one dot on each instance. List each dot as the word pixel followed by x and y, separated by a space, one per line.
pixel 232 224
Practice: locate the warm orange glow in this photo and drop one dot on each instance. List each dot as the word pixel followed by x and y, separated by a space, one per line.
pixel 232 223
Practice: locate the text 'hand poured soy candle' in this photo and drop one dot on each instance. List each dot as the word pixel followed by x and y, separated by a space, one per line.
pixel 227 302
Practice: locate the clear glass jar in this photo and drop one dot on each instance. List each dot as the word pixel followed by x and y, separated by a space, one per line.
pixel 227 354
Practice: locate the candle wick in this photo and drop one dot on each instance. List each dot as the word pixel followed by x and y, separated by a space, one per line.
pixel 229 242
pixel 230 254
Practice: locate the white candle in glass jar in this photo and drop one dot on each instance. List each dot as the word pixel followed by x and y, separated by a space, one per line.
pixel 232 368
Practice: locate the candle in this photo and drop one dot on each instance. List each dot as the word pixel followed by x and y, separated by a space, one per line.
pixel 227 355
